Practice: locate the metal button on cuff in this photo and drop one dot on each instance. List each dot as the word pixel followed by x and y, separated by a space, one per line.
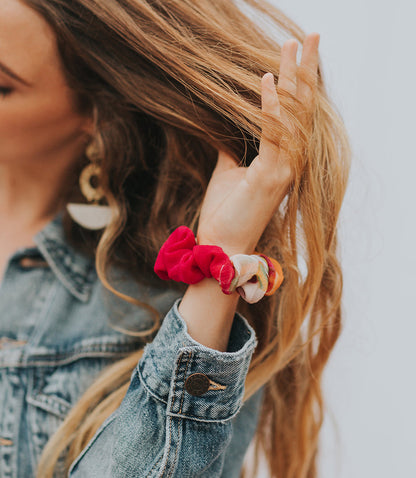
pixel 198 383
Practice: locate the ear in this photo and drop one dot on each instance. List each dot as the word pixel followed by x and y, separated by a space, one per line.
pixel 88 126
pixel 90 122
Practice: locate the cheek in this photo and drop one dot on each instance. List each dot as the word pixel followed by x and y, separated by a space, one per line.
pixel 36 126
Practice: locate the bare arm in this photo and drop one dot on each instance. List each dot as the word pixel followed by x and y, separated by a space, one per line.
pixel 240 201
pixel 209 313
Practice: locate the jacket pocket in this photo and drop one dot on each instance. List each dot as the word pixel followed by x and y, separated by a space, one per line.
pixel 53 391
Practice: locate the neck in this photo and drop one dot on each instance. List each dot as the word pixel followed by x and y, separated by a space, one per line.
pixel 32 193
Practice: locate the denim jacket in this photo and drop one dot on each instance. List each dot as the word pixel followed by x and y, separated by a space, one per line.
pixel 182 415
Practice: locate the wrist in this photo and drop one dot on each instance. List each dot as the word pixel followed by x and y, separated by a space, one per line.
pixel 229 249
pixel 235 268
pixel 209 313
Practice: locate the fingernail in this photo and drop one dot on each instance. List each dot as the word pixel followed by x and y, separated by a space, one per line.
pixel 269 79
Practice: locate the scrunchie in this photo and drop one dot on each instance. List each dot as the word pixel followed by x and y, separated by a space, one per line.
pixel 181 259
pixel 252 276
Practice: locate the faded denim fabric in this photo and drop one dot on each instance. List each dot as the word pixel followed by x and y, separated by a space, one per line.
pixel 56 337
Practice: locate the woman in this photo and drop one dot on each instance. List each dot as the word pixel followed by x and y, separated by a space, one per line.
pixel 153 115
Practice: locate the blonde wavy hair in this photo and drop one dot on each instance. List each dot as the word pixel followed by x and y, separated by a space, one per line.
pixel 172 82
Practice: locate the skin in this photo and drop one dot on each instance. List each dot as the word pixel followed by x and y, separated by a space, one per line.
pixel 42 136
pixel 248 195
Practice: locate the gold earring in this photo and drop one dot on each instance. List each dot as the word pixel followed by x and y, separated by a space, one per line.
pixel 93 215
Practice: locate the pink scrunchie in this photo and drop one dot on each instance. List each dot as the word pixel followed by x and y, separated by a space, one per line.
pixel 251 276
pixel 181 259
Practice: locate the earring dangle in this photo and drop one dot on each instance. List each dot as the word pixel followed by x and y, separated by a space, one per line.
pixel 93 215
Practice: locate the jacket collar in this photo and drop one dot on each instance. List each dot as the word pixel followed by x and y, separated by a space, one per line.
pixel 72 268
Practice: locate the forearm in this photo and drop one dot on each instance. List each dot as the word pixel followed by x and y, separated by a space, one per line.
pixel 208 313
pixel 160 422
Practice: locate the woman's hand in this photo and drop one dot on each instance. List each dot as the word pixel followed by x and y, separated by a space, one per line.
pixel 240 201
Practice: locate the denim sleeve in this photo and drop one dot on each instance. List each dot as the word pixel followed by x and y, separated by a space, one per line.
pixel 171 422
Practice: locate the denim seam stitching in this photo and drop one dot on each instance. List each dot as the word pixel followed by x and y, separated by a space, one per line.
pixel 168 448
pixel 206 420
pixel 183 391
pixel 170 424
pixel 53 363
pixel 154 466
pixel 177 448
pixel 171 418
pixel 148 390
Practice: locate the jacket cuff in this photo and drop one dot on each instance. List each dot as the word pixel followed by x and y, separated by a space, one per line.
pixel 193 380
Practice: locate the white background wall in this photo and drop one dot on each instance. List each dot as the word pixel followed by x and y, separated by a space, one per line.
pixel 368 57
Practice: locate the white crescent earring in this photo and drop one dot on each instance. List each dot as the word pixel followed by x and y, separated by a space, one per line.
pixel 93 215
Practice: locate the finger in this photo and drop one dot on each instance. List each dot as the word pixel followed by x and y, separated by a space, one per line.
pixel 307 71
pixel 270 104
pixel 288 67
pixel 270 166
